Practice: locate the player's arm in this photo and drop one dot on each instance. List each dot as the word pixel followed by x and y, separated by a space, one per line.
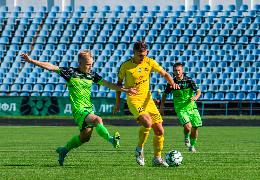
pixel 169 79
pixel 195 88
pixel 162 103
pixel 113 86
pixel 118 94
pixel 198 93
pixel 44 65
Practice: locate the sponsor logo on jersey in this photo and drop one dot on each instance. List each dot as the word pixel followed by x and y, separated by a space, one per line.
pixel 78 74
pixel 139 70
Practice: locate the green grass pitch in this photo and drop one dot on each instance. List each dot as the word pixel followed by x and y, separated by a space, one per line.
pixel 28 152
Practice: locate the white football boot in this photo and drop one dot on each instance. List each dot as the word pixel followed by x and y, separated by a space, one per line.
pixel 192 149
pixel 187 142
pixel 158 161
pixel 139 157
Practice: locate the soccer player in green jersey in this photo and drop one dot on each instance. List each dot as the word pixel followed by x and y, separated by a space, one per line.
pixel 79 81
pixel 184 105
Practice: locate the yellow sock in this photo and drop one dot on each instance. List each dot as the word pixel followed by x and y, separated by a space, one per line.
pixel 158 145
pixel 143 135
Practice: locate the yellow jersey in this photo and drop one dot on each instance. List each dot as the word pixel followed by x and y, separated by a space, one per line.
pixel 137 75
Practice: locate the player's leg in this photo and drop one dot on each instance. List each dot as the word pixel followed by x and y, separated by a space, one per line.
pixel 138 111
pixel 76 141
pixel 97 122
pixel 146 122
pixel 187 131
pixel 193 138
pixel 195 122
pixel 158 140
pixel 184 118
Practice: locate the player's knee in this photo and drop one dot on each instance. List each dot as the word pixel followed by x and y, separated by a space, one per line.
pixel 146 121
pixel 97 121
pixel 159 132
pixel 188 127
pixel 147 124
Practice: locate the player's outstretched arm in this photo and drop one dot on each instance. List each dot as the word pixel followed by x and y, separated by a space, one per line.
pixel 118 94
pixel 44 65
pixel 130 91
pixel 162 104
pixel 169 79
pixel 198 93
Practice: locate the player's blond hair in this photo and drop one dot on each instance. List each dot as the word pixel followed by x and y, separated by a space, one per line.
pixel 85 55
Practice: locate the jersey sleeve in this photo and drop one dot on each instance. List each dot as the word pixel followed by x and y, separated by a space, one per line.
pixel 168 89
pixel 97 78
pixel 194 86
pixel 121 73
pixel 155 66
pixel 65 72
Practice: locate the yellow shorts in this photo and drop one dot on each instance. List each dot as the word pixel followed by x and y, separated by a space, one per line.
pixel 137 108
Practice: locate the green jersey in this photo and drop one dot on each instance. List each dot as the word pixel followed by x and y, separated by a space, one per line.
pixel 182 96
pixel 79 85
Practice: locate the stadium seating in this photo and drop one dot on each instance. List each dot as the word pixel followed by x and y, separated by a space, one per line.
pixel 220 49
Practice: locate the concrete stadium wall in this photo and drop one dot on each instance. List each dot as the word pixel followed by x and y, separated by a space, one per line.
pixel 125 4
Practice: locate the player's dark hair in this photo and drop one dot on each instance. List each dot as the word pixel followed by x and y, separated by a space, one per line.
pixel 140 46
pixel 177 65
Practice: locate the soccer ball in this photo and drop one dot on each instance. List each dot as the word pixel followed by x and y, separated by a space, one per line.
pixel 174 158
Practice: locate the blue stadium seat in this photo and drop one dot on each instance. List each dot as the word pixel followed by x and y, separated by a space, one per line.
pixel 224 88
pixel 213 88
pixel 14 94
pixel 234 88
pixel 26 88
pixel 200 32
pixel 4 9
pixel 81 9
pixel 219 40
pixel 251 96
pixel 48 94
pixel 243 8
pixel 219 96
pixel 48 88
pixel 208 96
pixel 184 40
pixel 24 94
pixel 246 88
pixel 37 88
pixel 208 40
pixel 240 96
pixel 230 82
pixel 181 26
pixel 229 96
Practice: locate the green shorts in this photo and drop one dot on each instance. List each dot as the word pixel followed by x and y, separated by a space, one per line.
pixel 191 116
pixel 79 117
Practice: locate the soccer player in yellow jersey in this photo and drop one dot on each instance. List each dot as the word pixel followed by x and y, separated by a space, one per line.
pixel 136 72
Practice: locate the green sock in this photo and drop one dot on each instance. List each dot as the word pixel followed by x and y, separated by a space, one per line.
pixel 186 135
pixel 102 131
pixel 73 143
pixel 192 142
